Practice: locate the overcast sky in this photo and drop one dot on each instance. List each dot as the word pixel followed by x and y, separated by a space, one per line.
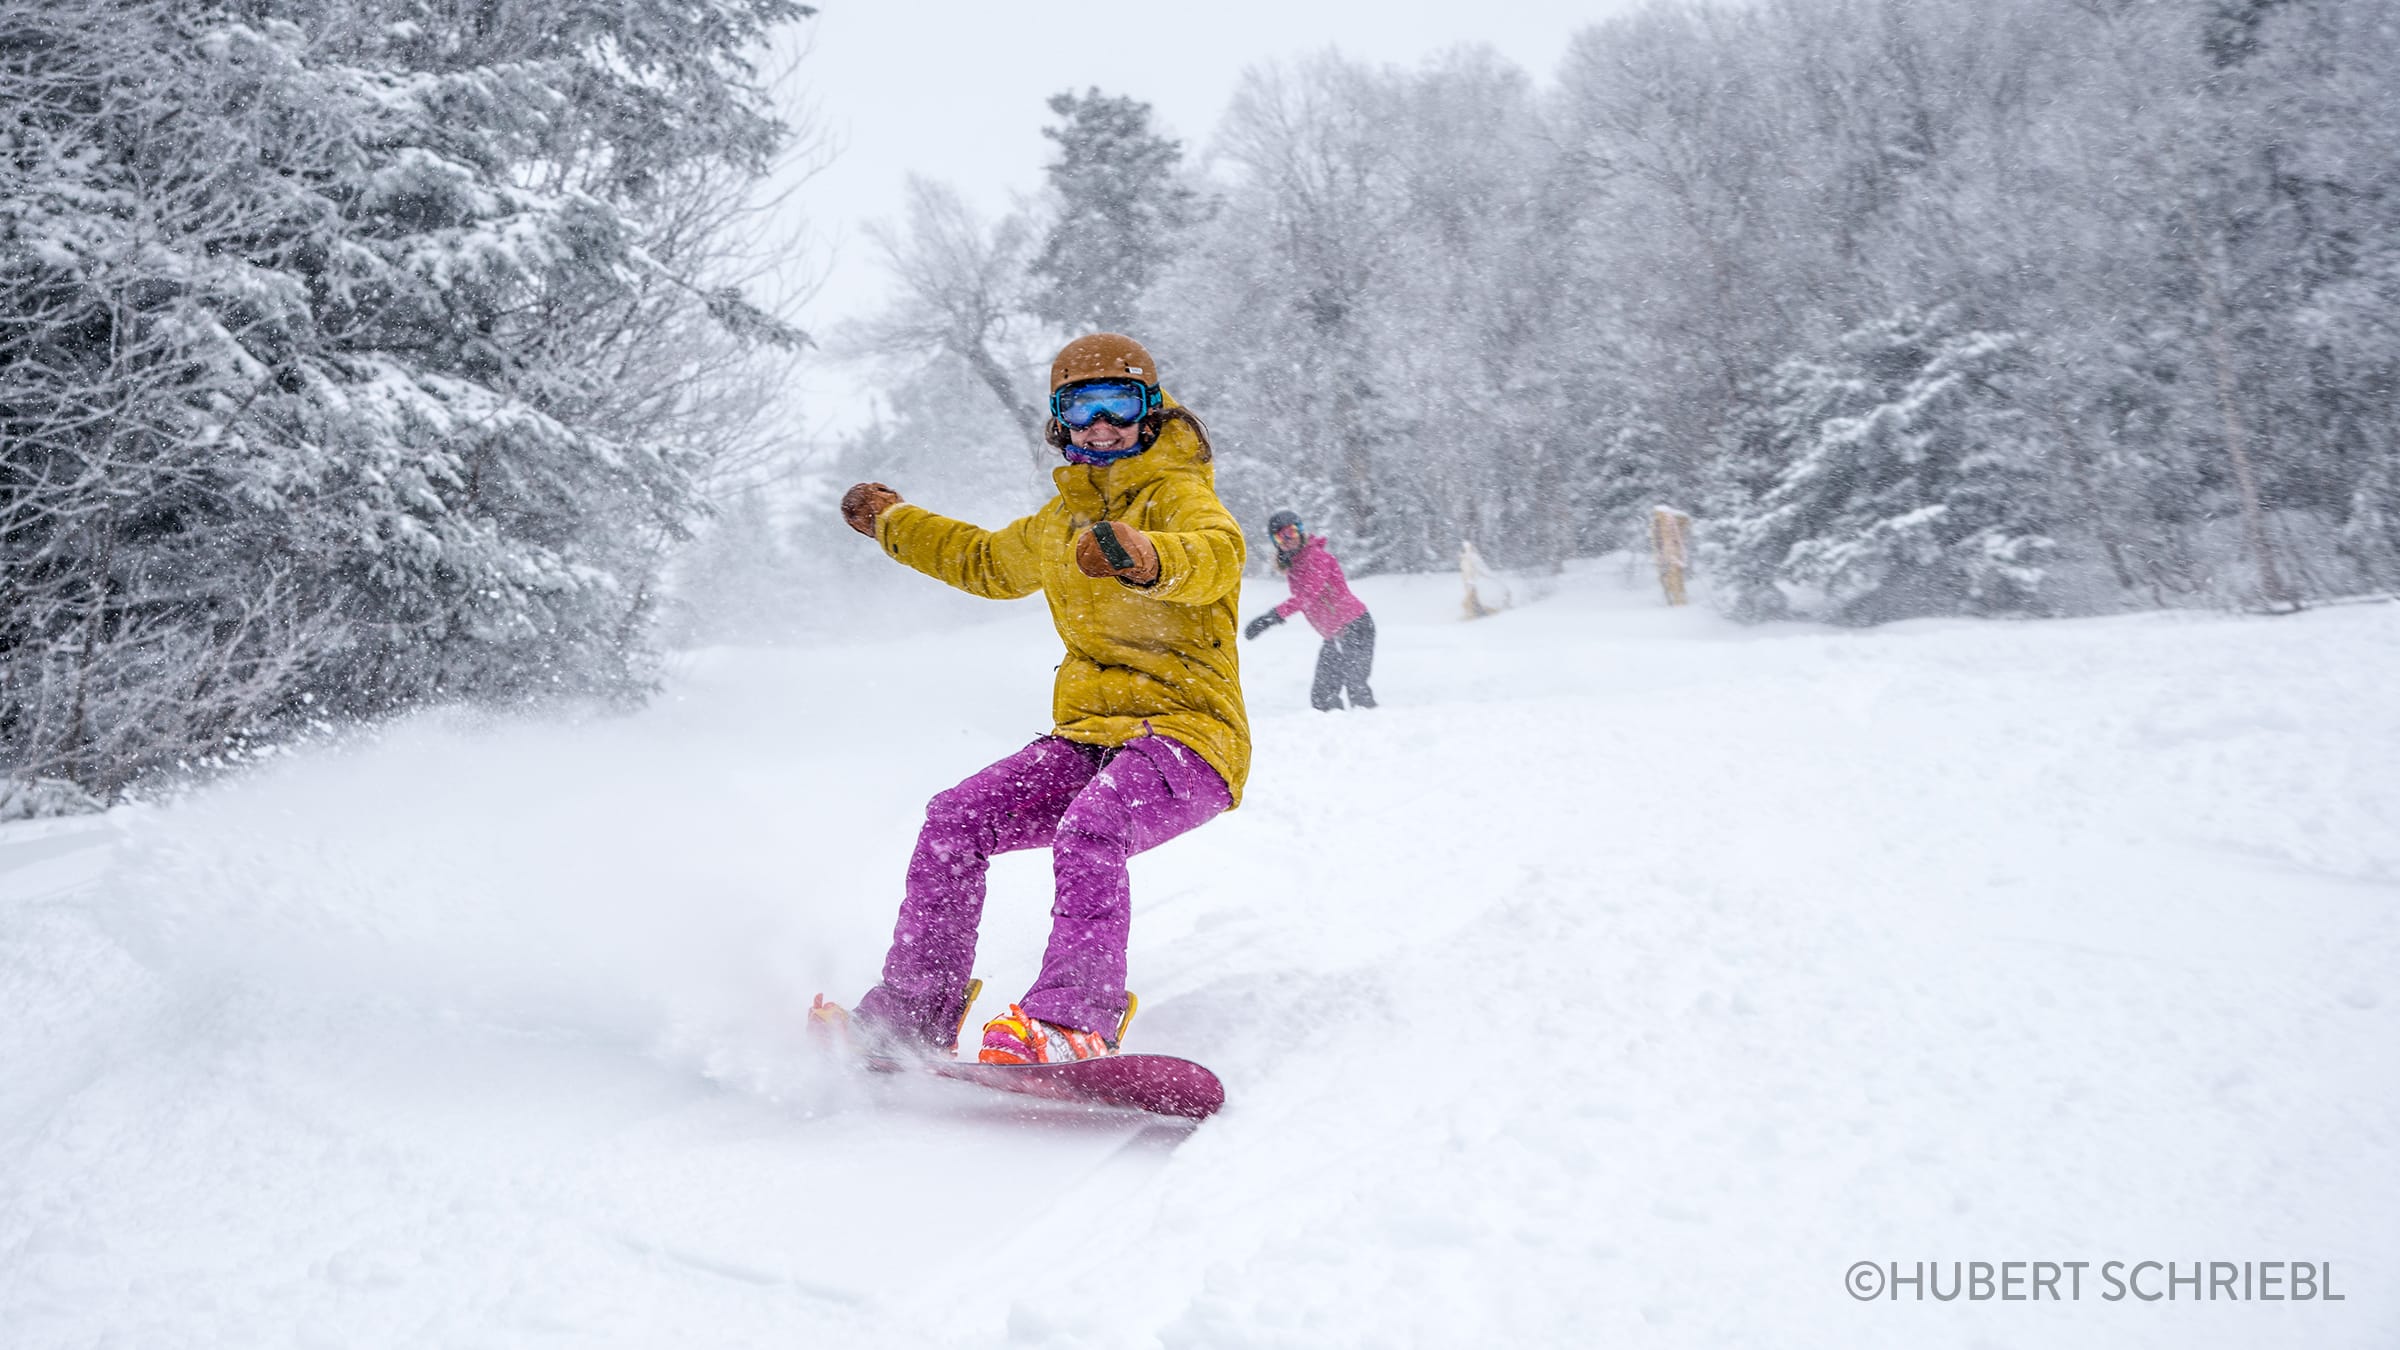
pixel 954 89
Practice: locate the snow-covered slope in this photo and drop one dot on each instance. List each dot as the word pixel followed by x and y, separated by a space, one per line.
pixel 1626 979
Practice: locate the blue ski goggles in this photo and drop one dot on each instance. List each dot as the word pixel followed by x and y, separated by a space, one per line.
pixel 1123 402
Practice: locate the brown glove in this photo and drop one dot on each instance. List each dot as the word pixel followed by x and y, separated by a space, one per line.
pixel 1110 549
pixel 864 502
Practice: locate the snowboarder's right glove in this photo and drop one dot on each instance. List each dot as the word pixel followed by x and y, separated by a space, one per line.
pixel 1261 624
pixel 866 501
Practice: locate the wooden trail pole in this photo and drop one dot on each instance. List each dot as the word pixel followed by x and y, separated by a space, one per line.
pixel 1671 545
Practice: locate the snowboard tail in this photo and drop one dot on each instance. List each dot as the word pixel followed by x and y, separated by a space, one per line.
pixel 1160 1084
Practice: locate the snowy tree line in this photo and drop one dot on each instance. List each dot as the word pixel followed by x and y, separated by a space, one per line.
pixel 1921 306
pixel 355 353
pixel 361 353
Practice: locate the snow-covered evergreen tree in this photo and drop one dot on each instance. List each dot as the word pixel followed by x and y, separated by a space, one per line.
pixel 1120 202
pixel 1911 484
pixel 320 321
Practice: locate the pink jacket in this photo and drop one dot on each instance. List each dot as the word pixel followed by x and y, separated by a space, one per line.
pixel 1319 590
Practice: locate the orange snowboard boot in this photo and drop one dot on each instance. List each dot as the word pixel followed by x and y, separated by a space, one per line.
pixel 1014 1038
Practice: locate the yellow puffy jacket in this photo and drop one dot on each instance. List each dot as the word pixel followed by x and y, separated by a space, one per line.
pixel 1158 658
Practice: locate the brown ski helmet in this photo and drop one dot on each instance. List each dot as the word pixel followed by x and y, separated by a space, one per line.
pixel 1102 356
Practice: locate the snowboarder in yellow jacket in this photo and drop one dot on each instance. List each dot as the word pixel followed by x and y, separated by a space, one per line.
pixel 1142 567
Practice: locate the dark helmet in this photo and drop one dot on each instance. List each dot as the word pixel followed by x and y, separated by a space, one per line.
pixel 1276 522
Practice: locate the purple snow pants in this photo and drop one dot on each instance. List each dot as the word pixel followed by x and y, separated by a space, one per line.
pixel 1093 807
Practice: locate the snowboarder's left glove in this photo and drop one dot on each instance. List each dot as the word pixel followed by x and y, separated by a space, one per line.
pixel 1261 624
pixel 1111 549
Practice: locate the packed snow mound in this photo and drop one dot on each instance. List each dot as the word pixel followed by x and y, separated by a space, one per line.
pixel 39 798
pixel 1628 977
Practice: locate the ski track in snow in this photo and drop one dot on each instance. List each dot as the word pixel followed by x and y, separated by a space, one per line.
pixel 1624 979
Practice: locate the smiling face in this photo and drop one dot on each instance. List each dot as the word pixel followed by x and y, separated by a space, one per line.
pixel 1106 437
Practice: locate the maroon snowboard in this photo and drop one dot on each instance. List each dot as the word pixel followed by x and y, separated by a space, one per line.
pixel 1160 1084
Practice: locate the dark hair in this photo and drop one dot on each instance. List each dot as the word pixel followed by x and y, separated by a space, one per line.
pixel 1054 432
